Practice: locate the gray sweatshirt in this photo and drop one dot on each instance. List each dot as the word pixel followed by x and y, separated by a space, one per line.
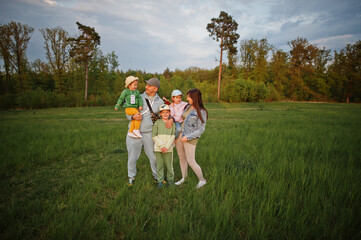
pixel 147 124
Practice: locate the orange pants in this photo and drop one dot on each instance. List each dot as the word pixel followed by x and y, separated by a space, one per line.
pixel 134 124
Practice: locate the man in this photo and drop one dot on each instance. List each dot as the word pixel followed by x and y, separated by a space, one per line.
pixel 134 146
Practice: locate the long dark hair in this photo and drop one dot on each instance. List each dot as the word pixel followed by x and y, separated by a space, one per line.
pixel 196 96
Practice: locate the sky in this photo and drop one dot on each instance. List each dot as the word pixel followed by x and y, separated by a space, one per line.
pixel 152 35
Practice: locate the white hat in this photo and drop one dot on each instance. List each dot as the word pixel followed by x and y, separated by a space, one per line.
pixel 176 93
pixel 129 80
pixel 164 107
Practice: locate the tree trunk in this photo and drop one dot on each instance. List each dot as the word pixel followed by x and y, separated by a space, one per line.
pixel 86 82
pixel 348 93
pixel 20 75
pixel 7 81
pixel 220 70
pixel 21 80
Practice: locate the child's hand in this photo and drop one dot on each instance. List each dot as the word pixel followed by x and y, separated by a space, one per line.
pixel 164 149
pixel 140 108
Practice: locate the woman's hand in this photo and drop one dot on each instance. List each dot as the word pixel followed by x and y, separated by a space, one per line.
pixel 184 139
pixel 164 150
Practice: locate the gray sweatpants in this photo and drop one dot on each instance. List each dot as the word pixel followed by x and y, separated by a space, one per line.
pixel 134 147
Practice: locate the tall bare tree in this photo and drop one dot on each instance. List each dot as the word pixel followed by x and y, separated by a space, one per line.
pixel 223 29
pixel 57 52
pixel 83 49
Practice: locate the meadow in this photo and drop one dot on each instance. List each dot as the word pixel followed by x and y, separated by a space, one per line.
pixel 274 171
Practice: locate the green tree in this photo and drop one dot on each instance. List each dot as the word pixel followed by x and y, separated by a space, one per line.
pixel 167 74
pixel 16 41
pixel 302 60
pixel 279 71
pixel 113 64
pixel 248 57
pixel 320 83
pixel 83 49
pixel 223 29
pixel 346 73
pixel 57 52
pixel 42 75
pixel 254 54
pixel 5 54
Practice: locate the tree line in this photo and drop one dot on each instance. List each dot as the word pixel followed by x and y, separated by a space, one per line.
pixel 77 73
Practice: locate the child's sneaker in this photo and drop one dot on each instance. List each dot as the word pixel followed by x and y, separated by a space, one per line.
pixel 180 182
pixel 137 133
pixel 131 182
pixel 132 135
pixel 201 184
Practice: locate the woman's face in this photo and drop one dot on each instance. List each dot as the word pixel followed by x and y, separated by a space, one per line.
pixel 190 100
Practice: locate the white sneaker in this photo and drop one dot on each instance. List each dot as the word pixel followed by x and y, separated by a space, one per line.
pixel 201 184
pixel 180 182
pixel 132 135
pixel 137 133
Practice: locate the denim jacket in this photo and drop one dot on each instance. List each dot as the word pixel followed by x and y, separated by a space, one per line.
pixel 192 124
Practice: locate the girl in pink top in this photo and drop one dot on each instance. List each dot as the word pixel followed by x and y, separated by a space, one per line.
pixel 176 110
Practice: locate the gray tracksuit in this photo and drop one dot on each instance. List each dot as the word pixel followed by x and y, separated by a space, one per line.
pixel 134 146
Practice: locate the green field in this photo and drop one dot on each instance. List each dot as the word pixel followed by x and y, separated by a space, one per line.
pixel 274 171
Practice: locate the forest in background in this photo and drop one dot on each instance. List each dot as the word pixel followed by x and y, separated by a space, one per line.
pixel 77 73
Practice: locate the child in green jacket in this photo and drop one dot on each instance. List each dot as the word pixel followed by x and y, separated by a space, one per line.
pixel 163 146
pixel 132 101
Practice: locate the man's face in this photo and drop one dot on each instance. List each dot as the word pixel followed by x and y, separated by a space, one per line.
pixel 150 90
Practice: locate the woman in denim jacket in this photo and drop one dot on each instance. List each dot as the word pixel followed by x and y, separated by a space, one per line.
pixel 195 117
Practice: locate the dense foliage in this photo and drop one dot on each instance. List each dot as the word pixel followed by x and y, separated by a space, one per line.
pixel 261 73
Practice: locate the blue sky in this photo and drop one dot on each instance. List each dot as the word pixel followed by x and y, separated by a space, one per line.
pixel 152 35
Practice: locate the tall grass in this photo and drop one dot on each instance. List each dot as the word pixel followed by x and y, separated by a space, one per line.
pixel 274 170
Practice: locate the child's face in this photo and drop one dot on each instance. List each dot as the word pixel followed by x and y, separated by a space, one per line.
pixel 165 114
pixel 133 86
pixel 177 99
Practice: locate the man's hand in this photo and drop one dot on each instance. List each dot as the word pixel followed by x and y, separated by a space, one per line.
pixel 164 150
pixel 137 117
pixel 184 139
pixel 169 123
pixel 116 109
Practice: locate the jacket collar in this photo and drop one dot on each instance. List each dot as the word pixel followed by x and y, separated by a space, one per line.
pixel 156 97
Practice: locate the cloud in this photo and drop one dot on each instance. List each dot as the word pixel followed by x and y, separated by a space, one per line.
pixel 153 35
pixel 335 42
pixel 51 3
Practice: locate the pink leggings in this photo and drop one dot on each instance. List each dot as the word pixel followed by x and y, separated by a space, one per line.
pixel 187 156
